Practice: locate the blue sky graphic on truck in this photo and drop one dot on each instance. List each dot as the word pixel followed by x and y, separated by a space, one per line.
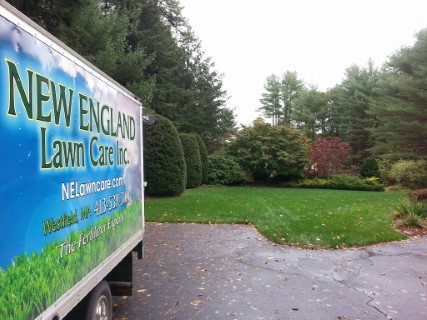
pixel 70 146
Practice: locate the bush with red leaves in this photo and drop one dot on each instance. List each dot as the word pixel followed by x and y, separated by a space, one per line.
pixel 418 195
pixel 327 156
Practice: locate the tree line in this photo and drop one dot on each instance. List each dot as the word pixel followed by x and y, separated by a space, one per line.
pixel 150 48
pixel 379 112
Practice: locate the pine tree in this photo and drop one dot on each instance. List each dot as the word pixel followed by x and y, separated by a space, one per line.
pixel 351 119
pixel 270 101
pixel 310 112
pixel 400 108
pixel 290 89
pixel 278 100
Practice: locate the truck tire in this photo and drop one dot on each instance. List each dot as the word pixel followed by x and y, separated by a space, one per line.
pixel 100 303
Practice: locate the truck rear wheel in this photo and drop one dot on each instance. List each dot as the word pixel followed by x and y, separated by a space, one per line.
pixel 100 303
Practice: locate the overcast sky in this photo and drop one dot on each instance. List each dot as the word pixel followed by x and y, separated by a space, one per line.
pixel 252 39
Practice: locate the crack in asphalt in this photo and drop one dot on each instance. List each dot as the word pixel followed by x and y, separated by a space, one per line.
pixel 223 272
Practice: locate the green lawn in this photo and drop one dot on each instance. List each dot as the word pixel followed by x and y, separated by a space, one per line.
pixel 302 217
pixel 35 281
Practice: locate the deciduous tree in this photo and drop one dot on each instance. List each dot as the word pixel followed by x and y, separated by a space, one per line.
pixel 327 156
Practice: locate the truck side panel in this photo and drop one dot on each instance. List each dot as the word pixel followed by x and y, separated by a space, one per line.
pixel 70 174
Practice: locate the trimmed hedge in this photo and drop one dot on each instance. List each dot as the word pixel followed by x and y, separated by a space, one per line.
pixel 224 170
pixel 192 159
pixel 164 163
pixel 340 182
pixel 203 158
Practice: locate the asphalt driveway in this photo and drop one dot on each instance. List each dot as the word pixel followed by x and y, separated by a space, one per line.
pixel 193 271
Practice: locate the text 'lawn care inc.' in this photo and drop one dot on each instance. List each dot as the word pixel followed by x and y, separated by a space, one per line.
pixel 53 105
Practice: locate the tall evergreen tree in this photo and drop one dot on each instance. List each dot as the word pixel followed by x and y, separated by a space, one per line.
pixel 100 31
pixel 49 14
pixel 168 66
pixel 278 100
pixel 290 89
pixel 310 112
pixel 270 101
pixel 227 130
pixel 188 90
pixel 401 105
pixel 351 100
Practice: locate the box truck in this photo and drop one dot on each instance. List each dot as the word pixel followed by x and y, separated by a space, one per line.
pixel 71 185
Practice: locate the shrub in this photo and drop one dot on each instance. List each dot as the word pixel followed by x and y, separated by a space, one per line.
pixel 266 152
pixel 413 220
pixel 192 159
pixel 224 170
pixel 203 158
pixel 370 168
pixel 384 166
pixel 412 207
pixel 418 195
pixel 327 156
pixel 341 182
pixel 412 212
pixel 409 173
pixel 164 164
pixel 397 188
